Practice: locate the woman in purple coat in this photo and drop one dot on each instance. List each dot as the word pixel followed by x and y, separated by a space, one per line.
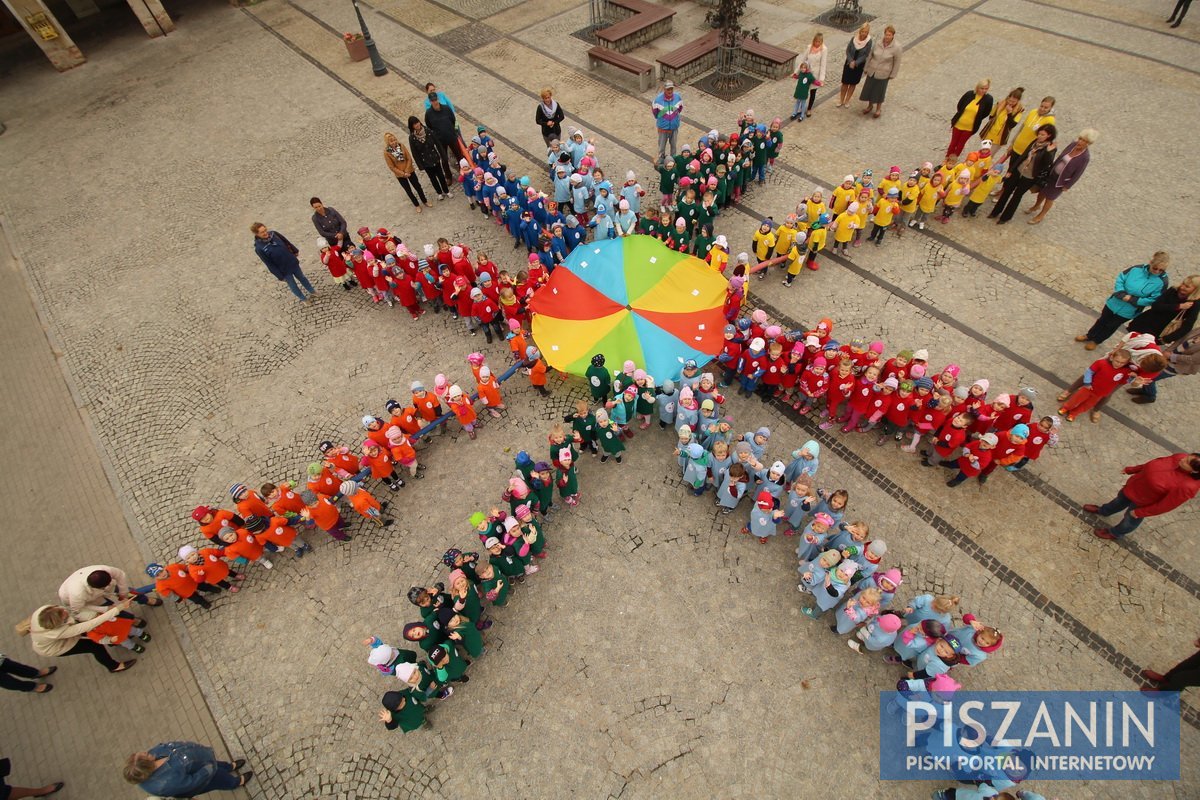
pixel 1067 170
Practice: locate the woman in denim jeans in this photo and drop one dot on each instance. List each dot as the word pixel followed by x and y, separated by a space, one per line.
pixel 183 769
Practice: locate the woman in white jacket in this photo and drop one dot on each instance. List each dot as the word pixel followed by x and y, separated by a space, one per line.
pixel 815 56
pixel 56 634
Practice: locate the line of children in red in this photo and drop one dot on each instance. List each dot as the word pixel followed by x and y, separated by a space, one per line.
pixel 901 397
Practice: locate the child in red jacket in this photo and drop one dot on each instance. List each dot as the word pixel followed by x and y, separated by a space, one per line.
pixel 335 262
pixel 950 437
pixel 1099 381
pixel 974 459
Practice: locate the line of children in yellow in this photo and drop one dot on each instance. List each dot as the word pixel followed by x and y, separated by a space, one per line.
pixel 858 204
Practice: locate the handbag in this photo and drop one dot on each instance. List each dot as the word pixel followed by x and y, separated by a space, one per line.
pixel 1171 327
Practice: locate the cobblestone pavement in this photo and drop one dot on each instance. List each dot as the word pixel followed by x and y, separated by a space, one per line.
pixel 657 654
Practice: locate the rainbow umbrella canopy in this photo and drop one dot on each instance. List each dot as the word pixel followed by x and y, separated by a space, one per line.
pixel 634 299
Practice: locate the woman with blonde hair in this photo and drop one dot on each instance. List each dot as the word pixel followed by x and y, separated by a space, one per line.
pixel 1004 118
pixel 400 161
pixel 815 56
pixel 55 634
pixel 973 108
pixel 183 769
pixel 1067 170
pixel 858 50
pixel 549 116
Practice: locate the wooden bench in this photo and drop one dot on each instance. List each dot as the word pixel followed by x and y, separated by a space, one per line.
pixel 644 71
pixel 692 59
pixel 766 59
pixel 642 23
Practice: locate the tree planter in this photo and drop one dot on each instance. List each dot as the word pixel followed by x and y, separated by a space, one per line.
pixel 357 49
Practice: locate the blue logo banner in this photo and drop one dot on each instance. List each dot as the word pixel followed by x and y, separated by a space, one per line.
pixel 1044 736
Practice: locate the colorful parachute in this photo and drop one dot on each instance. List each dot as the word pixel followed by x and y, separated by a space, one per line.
pixel 629 298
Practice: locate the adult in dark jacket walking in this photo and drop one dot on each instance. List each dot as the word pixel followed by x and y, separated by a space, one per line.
pixel 183 769
pixel 329 223
pixel 280 257
pixel 1156 487
pixel 1033 171
pixel 426 152
pixel 973 108
pixel 441 122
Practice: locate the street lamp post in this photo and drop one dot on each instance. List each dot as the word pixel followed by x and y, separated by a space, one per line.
pixel 377 65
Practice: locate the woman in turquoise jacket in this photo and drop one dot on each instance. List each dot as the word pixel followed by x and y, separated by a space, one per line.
pixel 1135 288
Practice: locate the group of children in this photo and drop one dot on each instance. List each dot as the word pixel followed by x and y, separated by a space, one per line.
pixel 859 204
pixel 271 520
pixel 855 385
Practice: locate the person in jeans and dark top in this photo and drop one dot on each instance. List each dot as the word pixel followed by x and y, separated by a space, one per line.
pixel 18 677
pixel 329 223
pixel 427 153
pixel 280 257
pixel 400 161
pixel 1033 170
pixel 183 769
pixel 441 122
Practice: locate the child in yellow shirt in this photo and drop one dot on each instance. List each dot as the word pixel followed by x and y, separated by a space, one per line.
pixel 892 181
pixel 864 212
pixel 816 239
pixel 844 195
pixel 764 243
pixel 927 201
pixel 949 168
pixel 795 260
pixel 910 193
pixel 955 194
pixel 982 188
pixel 814 207
pixel 885 211
pixel 785 235
pixel 844 227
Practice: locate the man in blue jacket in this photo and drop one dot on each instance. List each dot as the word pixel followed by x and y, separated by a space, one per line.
pixel 668 109
pixel 1134 289
pixel 280 257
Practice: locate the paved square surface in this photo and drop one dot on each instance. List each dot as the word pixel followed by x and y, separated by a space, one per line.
pixel 658 653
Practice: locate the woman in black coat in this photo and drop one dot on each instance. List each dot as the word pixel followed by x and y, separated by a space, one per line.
pixel 549 116
pixel 1180 302
pixel 1034 170
pixel 427 152
pixel 973 108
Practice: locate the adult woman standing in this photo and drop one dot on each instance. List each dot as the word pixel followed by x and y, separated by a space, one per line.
pixel 1032 170
pixel 815 56
pixel 1004 118
pixel 1173 315
pixel 183 769
pixel 400 161
pixel 55 634
pixel 882 65
pixel 426 152
pixel 549 116
pixel 858 50
pixel 1134 288
pixel 973 108
pixel 1065 173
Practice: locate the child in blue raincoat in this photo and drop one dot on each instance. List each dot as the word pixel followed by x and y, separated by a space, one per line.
pixel 764 517
pixel 829 593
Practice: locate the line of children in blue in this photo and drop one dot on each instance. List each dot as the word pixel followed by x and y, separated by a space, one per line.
pixel 856 385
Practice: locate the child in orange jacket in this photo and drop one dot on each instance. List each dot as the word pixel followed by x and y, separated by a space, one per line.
pixel 517 341
pixel 208 568
pixel 174 579
pixel 489 391
pixel 536 370
pixel 327 517
pixel 212 520
pixel 248 502
pixel 365 504
pixel 463 408
pixel 380 462
pixel 245 544
pixel 278 531
pixel 403 452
